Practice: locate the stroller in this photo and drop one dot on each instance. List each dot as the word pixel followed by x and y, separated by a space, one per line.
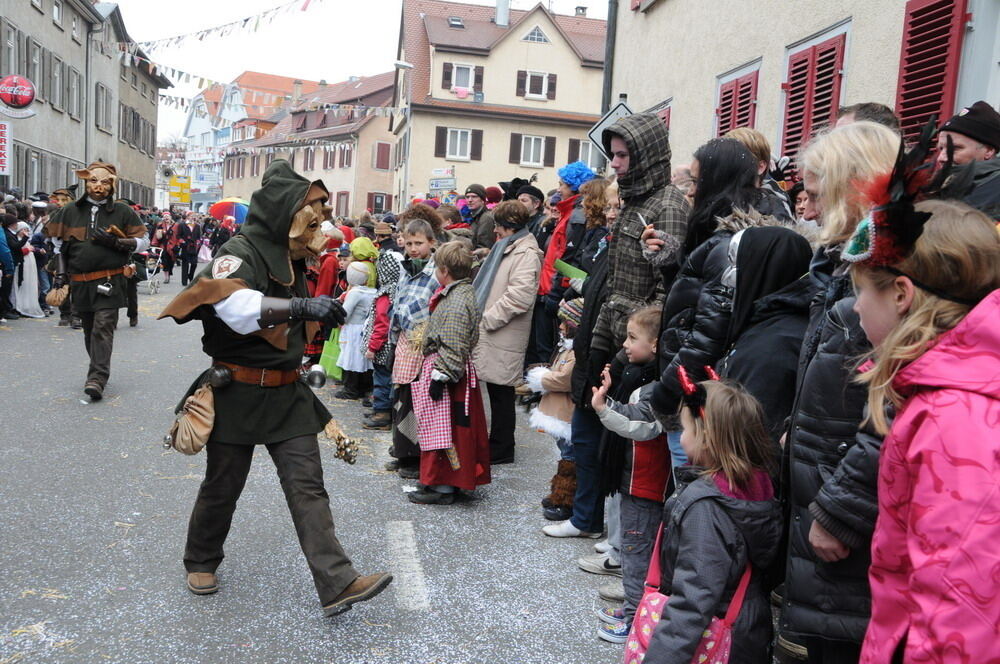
pixel 153 267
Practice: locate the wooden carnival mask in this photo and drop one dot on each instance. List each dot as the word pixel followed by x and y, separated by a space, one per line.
pixel 99 179
pixel 304 237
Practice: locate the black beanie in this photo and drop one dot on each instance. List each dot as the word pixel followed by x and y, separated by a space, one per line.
pixel 534 192
pixel 979 121
pixel 478 190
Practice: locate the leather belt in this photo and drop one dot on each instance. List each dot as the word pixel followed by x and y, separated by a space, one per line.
pixel 261 377
pixel 92 276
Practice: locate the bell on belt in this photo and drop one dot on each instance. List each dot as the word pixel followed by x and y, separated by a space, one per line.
pixel 316 377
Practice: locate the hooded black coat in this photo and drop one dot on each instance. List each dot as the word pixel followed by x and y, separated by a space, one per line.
pixel 708 538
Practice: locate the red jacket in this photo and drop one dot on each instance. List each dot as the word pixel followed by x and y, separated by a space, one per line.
pixel 329 273
pixel 557 244
pixel 380 328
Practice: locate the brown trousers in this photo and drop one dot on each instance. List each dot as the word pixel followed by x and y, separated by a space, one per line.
pixel 299 468
pixel 99 338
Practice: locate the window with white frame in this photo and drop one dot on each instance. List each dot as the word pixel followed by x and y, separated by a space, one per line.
pixel 538 84
pixel 462 77
pixel 10 48
pixel 34 61
pixel 75 31
pixel 532 150
pixel 56 90
pixel 590 155
pixel 536 35
pixel 57 12
pixel 37 4
pixel 73 103
pixel 458 143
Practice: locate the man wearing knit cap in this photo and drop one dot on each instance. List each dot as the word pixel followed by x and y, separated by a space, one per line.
pixel 482 219
pixel 974 134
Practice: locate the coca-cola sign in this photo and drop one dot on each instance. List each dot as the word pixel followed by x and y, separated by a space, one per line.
pixel 17 91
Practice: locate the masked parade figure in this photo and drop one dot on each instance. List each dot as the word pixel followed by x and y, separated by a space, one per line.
pixel 257 315
pixel 93 238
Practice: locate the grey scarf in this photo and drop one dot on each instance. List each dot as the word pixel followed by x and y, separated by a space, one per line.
pixel 488 270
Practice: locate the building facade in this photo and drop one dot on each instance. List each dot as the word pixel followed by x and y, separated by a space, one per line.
pixel 486 93
pixel 69 49
pixel 212 116
pixel 338 134
pixel 739 63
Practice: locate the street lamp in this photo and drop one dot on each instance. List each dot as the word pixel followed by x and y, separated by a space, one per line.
pixel 406 69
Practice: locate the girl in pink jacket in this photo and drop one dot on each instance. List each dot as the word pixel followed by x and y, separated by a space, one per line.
pixel 932 313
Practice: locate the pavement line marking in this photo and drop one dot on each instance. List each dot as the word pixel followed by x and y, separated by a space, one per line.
pixel 407 570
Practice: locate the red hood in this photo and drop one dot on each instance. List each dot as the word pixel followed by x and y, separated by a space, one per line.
pixel 966 358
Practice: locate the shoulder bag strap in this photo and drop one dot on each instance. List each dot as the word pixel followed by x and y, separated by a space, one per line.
pixel 737 602
pixel 653 575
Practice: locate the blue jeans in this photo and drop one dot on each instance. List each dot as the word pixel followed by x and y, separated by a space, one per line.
pixel 588 503
pixel 382 394
pixel 565 449
pixel 43 286
pixel 677 456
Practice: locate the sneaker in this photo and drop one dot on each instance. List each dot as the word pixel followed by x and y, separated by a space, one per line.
pixel 600 563
pixel 557 513
pixel 567 529
pixel 610 616
pixel 603 546
pixel 612 591
pixel 617 633
pixel 377 422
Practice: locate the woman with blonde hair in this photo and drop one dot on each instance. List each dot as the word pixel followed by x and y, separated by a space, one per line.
pixel 827 476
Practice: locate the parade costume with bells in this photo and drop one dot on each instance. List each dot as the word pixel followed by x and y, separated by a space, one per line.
pixel 94 237
pixel 256 312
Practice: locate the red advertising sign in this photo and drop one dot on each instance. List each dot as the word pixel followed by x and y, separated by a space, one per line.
pixel 6 149
pixel 16 93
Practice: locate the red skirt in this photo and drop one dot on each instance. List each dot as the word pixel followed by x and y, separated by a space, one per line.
pixel 471 441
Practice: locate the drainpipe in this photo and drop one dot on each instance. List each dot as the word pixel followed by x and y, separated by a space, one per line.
pixel 609 55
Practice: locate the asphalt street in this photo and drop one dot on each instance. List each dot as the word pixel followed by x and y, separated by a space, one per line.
pixel 93 514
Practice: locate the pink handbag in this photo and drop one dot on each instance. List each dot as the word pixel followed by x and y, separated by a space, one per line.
pixel 716 641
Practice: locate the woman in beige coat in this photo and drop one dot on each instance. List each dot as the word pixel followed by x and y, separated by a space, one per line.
pixel 505 290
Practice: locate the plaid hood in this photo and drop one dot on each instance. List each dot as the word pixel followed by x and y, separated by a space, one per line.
pixel 648 142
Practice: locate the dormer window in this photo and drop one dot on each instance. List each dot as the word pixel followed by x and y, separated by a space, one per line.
pixel 456 22
pixel 536 35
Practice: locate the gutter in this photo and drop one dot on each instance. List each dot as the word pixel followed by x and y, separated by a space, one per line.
pixel 609 55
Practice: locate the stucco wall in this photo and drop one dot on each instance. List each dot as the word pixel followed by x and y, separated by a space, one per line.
pixel 679 48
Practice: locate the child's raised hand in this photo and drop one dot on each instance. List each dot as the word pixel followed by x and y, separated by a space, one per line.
pixel 598 400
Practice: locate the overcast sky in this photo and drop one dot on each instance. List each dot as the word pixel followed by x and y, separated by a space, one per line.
pixel 332 40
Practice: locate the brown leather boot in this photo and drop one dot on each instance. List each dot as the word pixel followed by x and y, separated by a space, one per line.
pixel 361 589
pixel 94 390
pixel 202 583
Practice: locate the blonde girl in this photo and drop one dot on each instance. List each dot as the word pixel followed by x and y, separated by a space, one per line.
pixel 934 321
pixel 722 522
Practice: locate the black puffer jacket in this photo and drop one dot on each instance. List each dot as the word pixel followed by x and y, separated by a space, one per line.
pixel 708 538
pixel 828 600
pixel 595 292
pixel 696 314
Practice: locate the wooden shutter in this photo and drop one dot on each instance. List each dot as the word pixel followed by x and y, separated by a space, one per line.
pixel 574 150
pixel 515 149
pixel 477 85
pixel 812 92
pixel 341 150
pixel 929 61
pixel 388 202
pixel 476 149
pixel 635 5
pixel 664 114
pixel 446 76
pixel 737 103
pixel 382 156
pixel 552 86
pixel 550 151
pixel 371 202
pixel 441 142
pixel 522 80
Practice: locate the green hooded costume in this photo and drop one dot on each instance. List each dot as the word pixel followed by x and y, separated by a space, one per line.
pixel 257 258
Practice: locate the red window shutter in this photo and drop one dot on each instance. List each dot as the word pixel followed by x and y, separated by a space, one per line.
pixel 382 156
pixel 440 141
pixel 446 76
pixel 515 149
pixel 476 148
pixel 522 80
pixel 552 87
pixel 812 92
pixel 574 150
pixel 636 4
pixel 726 111
pixel 929 61
pixel 371 202
pixel 738 103
pixel 664 114
pixel 388 202
pixel 477 85
pixel 550 151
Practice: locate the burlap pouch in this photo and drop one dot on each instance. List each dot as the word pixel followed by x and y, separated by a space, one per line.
pixel 56 296
pixel 194 422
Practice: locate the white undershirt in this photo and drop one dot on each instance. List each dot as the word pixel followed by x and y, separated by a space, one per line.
pixel 240 311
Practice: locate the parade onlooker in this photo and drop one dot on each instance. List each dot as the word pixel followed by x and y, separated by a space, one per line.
pixel 868 111
pixel 188 242
pixel 721 524
pixel 505 291
pixel 376 340
pixel 481 219
pixel 827 605
pixel 454 447
pixel 357 302
pixel 931 317
pixel 773 201
pixel 974 136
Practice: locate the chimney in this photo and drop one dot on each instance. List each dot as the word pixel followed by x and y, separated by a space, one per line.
pixel 322 82
pixel 503 13
pixel 296 91
pixel 581 10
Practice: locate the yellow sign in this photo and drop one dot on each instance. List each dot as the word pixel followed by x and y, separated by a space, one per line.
pixel 180 189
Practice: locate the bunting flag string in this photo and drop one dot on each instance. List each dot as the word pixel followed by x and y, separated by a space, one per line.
pixel 336 110
pixel 248 24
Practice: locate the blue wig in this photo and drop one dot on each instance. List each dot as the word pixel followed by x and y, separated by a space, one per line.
pixel 576 174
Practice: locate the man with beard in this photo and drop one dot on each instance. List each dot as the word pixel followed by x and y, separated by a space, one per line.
pixel 256 312
pixel 93 239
